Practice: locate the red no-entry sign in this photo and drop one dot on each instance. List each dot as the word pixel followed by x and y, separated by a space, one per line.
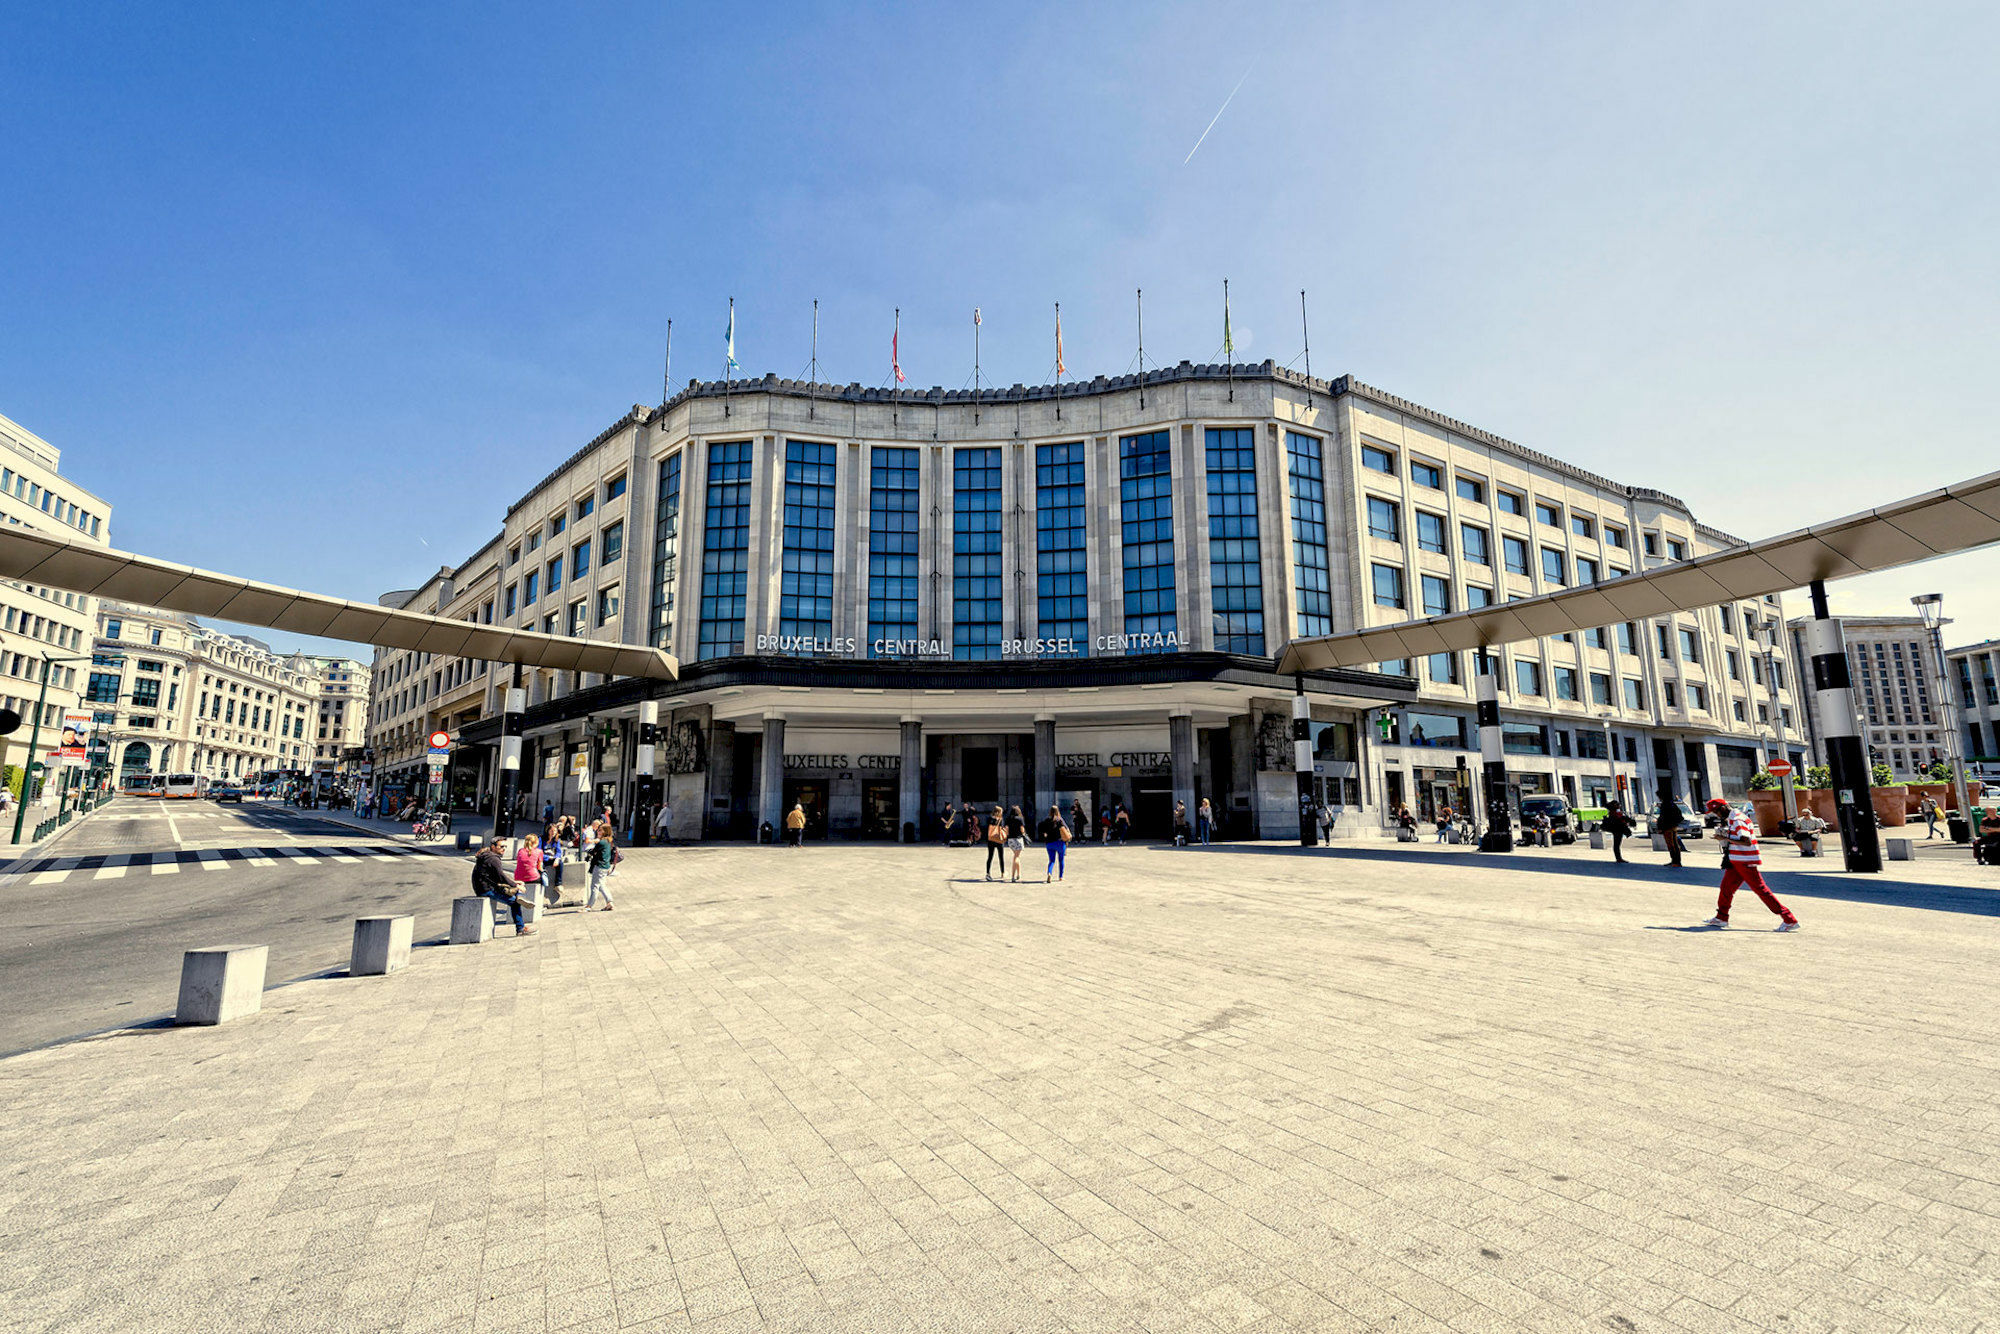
pixel 1779 768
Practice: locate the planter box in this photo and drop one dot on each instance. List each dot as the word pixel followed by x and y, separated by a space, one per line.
pixel 1890 807
pixel 1769 808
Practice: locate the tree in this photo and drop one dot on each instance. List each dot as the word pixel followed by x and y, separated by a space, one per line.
pixel 1881 776
pixel 1762 781
pixel 1819 776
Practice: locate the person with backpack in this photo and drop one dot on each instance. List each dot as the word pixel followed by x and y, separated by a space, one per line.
pixel 995 839
pixel 1054 835
pixel 1617 824
pixel 1743 867
pixel 603 857
pixel 1121 823
pixel 1669 827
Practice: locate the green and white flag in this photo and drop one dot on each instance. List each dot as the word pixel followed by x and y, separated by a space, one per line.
pixel 1228 343
pixel 729 338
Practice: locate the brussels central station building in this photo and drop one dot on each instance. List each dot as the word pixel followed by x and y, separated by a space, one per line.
pixel 884 601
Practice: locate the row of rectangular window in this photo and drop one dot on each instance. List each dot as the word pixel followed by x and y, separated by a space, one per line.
pixel 1376 458
pixel 48 502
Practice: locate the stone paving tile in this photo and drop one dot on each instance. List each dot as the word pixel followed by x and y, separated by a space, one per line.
pixel 1234 1089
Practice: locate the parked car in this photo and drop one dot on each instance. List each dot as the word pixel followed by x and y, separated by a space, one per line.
pixel 1561 829
pixel 222 792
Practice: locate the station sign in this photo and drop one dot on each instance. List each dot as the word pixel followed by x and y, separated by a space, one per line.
pixel 940 650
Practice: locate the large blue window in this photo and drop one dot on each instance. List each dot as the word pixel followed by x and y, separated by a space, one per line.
pixel 725 550
pixel 975 553
pixel 1146 502
pixel 805 593
pixel 893 492
pixel 1236 574
pixel 1062 580
pixel 1309 563
pixel 666 550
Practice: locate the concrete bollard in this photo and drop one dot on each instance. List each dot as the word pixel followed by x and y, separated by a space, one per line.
pixel 1597 840
pixel 1901 850
pixel 470 842
pixel 381 945
pixel 221 983
pixel 471 920
pixel 1659 842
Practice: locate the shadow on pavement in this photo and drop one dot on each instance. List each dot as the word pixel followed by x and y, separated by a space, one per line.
pixel 1703 870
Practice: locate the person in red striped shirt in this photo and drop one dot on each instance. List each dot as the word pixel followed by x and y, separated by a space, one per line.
pixel 1743 866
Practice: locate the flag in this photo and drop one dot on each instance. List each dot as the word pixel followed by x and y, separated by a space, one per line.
pixel 895 354
pixel 975 316
pixel 729 338
pixel 1060 368
pixel 1228 343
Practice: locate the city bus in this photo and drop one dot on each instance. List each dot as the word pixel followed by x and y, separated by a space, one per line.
pixel 175 786
pixel 141 785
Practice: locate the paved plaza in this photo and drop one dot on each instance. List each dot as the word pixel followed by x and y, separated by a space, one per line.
pixel 1250 1088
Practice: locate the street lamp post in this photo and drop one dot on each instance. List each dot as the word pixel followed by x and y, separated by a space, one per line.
pixel 34 741
pixel 1769 637
pixel 1610 756
pixel 1931 607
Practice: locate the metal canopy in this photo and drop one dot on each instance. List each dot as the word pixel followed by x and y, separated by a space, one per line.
pixel 1937 523
pixel 48 558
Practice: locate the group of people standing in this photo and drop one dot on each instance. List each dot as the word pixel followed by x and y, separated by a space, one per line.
pixel 539 861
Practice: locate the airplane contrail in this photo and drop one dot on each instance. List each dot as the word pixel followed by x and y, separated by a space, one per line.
pixel 1218 114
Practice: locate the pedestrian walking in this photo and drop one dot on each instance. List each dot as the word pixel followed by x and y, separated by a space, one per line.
pixel 1929 810
pixel 1055 837
pixel 663 823
pixel 548 812
pixel 1617 824
pixel 1204 822
pixel 1326 818
pixel 1180 824
pixel 1743 866
pixel 1669 827
pixel 795 825
pixel 490 881
pixel 994 837
pixel 1121 823
pixel 603 860
pixel 1017 837
pixel 1079 822
pixel 1104 825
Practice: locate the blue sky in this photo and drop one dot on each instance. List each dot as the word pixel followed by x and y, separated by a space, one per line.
pixel 301 289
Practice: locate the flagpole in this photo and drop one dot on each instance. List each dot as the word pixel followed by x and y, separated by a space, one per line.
pixel 975 365
pixel 1306 329
pixel 1228 343
pixel 667 375
pixel 812 400
pixel 1059 361
pixel 1139 294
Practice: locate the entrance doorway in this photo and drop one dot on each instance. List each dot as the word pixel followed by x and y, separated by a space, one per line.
pixel 1153 812
pixel 811 794
pixel 879 814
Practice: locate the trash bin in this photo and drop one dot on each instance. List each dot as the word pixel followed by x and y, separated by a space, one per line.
pixel 1961 831
pixel 909 831
pixel 766 834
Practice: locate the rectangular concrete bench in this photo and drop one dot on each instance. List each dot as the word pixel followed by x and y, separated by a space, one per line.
pixel 471 920
pixel 221 983
pixel 381 945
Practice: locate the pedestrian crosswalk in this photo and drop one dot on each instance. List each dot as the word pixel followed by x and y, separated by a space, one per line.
pixel 118 865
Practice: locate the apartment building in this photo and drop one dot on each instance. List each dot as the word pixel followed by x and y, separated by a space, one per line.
pixel 1898 700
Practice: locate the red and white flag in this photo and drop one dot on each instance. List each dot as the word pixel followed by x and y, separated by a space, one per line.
pixel 895 341
pixel 1060 368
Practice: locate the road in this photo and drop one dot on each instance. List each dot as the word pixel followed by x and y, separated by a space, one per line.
pixel 87 946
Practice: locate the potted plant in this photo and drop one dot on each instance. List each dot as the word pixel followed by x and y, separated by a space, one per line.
pixel 1767 802
pixel 1890 798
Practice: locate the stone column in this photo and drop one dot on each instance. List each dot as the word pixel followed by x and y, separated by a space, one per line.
pixel 1180 750
pixel 510 761
pixel 910 799
pixel 1045 765
pixel 771 786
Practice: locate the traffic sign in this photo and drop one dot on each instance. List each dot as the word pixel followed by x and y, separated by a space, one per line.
pixel 440 741
pixel 1779 768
